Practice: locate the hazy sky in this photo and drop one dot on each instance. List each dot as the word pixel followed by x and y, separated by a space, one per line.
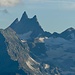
pixel 53 15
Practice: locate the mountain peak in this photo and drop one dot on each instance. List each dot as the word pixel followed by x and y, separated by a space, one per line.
pixel 68 34
pixel 34 18
pixel 70 29
pixel 24 16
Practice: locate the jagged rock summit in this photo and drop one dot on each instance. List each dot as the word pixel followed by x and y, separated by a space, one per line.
pixel 28 26
pixel 24 17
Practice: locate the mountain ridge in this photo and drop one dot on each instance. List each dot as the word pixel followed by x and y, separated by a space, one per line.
pixel 26 25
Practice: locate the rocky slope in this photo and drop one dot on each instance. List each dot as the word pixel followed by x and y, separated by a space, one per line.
pixel 7 65
pixel 15 58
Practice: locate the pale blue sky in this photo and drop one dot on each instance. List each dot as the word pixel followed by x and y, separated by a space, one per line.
pixel 53 15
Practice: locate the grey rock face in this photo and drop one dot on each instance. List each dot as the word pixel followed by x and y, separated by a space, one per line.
pixel 7 65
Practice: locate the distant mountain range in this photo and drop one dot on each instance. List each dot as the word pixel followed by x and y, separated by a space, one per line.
pixel 30 26
pixel 26 49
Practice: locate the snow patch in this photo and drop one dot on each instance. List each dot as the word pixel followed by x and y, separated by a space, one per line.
pixel 23 41
pixel 46 66
pixel 40 39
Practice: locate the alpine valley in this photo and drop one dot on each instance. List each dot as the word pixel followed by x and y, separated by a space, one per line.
pixel 26 49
